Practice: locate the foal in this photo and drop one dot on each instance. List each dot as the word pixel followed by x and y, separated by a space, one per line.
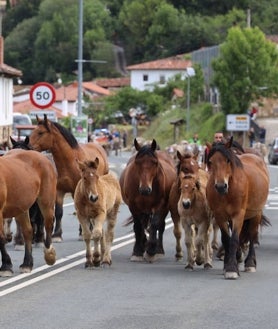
pixel 97 199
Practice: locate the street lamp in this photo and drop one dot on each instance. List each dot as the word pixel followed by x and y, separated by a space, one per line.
pixel 190 72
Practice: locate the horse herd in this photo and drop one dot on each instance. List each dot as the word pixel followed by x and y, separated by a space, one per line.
pixel 230 195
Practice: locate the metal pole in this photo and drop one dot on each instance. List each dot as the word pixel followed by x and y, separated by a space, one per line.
pixel 80 57
pixel 188 104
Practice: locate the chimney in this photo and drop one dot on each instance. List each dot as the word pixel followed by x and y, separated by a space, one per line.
pixel 1 50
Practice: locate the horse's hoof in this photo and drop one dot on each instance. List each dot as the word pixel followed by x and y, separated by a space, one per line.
pixel 189 267
pixel 19 247
pixel 135 258
pixel 57 239
pixel 6 273
pixel 199 262
pixel 231 275
pixel 250 269
pixel 151 259
pixel 89 265
pixel 24 269
pixel 50 255
pixel 207 266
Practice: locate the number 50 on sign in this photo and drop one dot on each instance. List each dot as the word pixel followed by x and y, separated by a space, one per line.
pixel 42 95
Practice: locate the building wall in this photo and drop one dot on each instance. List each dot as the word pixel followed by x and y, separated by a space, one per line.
pixel 6 108
pixel 154 77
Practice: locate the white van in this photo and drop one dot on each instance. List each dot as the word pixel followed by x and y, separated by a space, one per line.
pixel 21 120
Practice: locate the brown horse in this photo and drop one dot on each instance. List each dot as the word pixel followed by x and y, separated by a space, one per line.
pixel 26 177
pixel 187 165
pixel 196 219
pixel 145 183
pixel 237 190
pixel 97 200
pixel 34 212
pixel 65 149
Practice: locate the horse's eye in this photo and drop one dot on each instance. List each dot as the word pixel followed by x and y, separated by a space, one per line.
pixel 40 133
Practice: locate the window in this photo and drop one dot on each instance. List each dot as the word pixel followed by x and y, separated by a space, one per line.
pixel 162 80
pixel 145 77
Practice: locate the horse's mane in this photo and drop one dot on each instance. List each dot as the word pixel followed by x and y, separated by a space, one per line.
pixel 68 136
pixel 227 152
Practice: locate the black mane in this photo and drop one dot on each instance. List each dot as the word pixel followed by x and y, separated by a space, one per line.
pixel 227 152
pixel 71 140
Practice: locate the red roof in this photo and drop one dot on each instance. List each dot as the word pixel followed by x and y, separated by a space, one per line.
pixel 113 82
pixel 171 63
pixel 94 88
pixel 25 107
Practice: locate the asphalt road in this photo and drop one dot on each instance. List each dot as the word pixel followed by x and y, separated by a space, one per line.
pixel 140 295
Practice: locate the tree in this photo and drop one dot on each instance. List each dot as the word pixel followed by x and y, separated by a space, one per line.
pixel 246 69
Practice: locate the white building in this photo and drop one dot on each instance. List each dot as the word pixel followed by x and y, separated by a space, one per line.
pixel 156 73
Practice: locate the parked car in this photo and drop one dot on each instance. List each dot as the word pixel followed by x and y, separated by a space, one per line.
pixel 273 152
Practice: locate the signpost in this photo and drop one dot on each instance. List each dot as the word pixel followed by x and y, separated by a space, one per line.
pixel 42 95
pixel 237 122
pixel 79 128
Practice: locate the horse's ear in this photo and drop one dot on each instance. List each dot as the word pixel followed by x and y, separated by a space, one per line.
pixel 153 145
pixel 26 141
pixel 80 164
pixel 136 144
pixel 13 141
pixel 198 184
pixel 37 118
pixel 208 145
pixel 96 162
pixel 179 155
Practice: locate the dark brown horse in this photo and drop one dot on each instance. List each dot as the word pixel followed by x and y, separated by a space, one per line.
pixel 236 191
pixel 66 150
pixel 145 183
pixel 26 177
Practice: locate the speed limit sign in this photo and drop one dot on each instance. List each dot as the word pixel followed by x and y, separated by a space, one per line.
pixel 42 95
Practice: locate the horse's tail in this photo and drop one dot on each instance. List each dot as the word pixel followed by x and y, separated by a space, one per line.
pixel 128 221
pixel 265 221
pixel 244 234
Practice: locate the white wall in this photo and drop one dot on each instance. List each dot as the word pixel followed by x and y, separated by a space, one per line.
pixel 137 82
pixel 6 101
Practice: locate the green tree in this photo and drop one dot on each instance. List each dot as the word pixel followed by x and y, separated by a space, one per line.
pixel 246 69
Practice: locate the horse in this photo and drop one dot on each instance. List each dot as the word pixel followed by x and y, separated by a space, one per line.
pixel 188 206
pixel 196 220
pixel 65 149
pixel 26 177
pixel 237 191
pixel 34 212
pixel 145 184
pixel 97 200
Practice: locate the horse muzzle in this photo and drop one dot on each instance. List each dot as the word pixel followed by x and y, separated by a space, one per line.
pixel 145 190
pixel 93 197
pixel 221 188
pixel 186 204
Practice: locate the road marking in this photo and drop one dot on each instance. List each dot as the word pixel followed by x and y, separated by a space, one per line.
pixel 53 271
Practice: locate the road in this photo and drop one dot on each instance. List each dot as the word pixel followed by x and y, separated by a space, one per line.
pixel 140 295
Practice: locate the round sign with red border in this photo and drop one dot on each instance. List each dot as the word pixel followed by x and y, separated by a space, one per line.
pixel 42 95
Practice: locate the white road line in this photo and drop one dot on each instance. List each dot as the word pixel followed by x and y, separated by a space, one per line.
pixel 62 268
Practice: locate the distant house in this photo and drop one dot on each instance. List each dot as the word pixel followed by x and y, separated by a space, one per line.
pixel 156 73
pixel 7 73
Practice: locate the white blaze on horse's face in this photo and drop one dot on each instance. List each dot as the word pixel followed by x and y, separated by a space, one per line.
pixel 90 179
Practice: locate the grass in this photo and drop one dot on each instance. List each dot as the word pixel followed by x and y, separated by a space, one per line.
pixel 202 121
